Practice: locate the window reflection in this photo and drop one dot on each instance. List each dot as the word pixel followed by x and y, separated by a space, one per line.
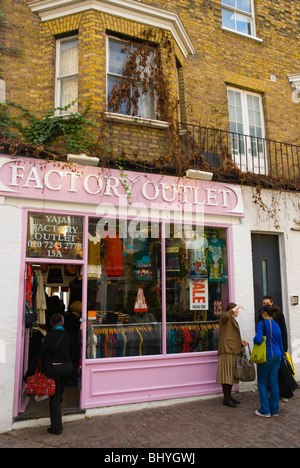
pixel 196 287
pixel 124 290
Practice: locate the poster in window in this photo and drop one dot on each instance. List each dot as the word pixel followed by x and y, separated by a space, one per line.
pixel 199 294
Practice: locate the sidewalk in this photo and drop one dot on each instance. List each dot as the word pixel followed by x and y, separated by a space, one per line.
pixel 204 423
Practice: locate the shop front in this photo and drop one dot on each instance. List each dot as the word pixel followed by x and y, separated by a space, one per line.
pixel 141 266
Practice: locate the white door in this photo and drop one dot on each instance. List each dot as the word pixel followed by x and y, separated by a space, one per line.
pixel 247 131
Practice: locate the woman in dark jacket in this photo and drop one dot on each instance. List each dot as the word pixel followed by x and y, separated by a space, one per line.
pixel 55 348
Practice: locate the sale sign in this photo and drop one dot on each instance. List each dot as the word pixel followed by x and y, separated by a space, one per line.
pixel 199 294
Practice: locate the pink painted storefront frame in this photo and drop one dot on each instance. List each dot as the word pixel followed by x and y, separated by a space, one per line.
pixel 116 381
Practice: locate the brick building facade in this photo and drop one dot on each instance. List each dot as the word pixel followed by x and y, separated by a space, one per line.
pixel 228 87
pixel 217 58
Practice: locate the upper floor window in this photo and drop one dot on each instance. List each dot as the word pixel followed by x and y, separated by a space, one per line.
pixel 66 90
pixel 2 91
pixel 130 87
pixel 247 130
pixel 238 16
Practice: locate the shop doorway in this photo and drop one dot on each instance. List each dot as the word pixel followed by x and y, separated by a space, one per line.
pixel 266 269
pixel 60 286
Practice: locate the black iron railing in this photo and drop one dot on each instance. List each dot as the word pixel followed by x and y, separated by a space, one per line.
pixel 248 153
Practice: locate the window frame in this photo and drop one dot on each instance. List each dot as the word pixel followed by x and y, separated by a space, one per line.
pixel 236 10
pixel 60 78
pixel 254 160
pixel 111 113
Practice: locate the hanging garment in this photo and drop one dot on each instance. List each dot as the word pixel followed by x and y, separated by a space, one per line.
pixel 113 261
pixel 197 257
pixel 215 259
pixel 41 304
pixel 94 260
pixel 55 275
pixel 29 285
pixel 142 269
pixel 172 255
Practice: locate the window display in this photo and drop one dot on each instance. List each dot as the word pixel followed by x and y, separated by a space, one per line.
pixel 196 287
pixel 124 291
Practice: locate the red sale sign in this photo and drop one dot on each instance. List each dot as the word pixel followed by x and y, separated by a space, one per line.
pixel 199 294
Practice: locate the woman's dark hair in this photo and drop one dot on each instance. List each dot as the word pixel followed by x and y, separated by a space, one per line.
pixel 230 306
pixel 56 320
pixel 271 310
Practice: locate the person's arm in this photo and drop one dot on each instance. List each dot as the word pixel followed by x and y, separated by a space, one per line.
pixel 258 339
pixel 45 347
pixel 225 316
pixel 281 344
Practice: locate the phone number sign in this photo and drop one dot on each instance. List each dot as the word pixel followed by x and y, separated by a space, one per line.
pixel 54 236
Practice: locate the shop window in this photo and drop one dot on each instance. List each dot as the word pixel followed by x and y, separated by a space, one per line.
pixel 124 290
pixel 66 91
pixel 129 79
pixel 196 287
pixel 125 277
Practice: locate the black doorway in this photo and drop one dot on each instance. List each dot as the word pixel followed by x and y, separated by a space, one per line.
pixel 266 269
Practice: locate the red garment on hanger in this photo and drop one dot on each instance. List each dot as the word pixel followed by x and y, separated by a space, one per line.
pixel 113 261
pixel 29 283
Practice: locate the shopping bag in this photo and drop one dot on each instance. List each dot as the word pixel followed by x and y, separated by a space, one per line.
pixel 259 352
pixel 39 384
pixel 244 369
pixel 289 359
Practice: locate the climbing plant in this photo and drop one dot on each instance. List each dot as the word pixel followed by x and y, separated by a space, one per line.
pixel 74 127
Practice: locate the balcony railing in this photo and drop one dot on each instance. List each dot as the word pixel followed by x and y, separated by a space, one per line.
pixel 220 148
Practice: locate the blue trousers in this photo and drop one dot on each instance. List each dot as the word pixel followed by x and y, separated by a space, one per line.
pixel 267 375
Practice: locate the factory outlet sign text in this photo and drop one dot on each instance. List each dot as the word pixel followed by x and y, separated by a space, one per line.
pixel 58 181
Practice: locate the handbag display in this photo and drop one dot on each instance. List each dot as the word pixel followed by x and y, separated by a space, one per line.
pixel 259 352
pixel 39 384
pixel 244 369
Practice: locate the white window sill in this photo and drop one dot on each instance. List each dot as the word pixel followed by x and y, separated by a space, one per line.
pixel 135 120
pixel 242 34
pixel 65 116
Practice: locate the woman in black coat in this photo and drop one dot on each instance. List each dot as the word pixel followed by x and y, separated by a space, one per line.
pixel 55 349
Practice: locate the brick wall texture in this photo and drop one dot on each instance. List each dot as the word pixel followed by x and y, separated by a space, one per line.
pixel 222 58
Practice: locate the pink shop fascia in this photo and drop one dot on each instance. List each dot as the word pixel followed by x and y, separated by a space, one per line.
pixel 150 294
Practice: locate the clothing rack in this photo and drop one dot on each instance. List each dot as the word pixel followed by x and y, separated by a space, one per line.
pixel 120 328
pixel 190 337
pixel 120 340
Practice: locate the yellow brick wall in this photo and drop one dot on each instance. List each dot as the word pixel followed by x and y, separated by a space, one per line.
pixel 222 58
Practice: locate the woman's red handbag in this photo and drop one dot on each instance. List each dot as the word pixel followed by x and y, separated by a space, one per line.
pixel 39 384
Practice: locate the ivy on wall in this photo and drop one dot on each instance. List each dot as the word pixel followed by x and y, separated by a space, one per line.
pixel 74 127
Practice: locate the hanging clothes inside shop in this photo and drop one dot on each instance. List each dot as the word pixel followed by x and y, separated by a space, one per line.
pixel 142 268
pixel 94 258
pixel 35 305
pixel 113 260
pixel 192 338
pixel 126 341
pixel 215 259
